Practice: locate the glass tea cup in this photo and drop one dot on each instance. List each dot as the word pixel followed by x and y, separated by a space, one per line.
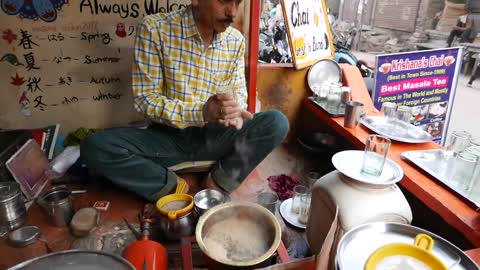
pixel 268 200
pixel 404 114
pixel 474 186
pixel 463 170
pixel 299 191
pixel 458 141
pixel 304 210
pixel 376 150
pixel 389 110
pixel 334 94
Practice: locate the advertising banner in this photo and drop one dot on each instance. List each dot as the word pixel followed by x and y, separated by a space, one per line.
pixel 423 80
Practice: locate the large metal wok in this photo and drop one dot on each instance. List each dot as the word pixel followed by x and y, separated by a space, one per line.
pixel 239 234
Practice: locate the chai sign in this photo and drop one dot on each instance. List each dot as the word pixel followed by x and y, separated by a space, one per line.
pixel 425 81
pixel 309 33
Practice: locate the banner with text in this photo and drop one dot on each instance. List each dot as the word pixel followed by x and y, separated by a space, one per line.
pixel 423 80
pixel 69 62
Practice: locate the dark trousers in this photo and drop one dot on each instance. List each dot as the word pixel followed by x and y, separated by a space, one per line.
pixel 138 159
pixel 475 74
pixel 463 34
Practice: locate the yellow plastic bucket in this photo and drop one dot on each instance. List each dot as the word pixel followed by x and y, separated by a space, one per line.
pixel 420 250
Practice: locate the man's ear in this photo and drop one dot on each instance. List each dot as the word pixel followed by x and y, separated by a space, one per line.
pixel 195 3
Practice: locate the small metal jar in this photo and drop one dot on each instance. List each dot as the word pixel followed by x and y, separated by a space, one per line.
pixel 13 213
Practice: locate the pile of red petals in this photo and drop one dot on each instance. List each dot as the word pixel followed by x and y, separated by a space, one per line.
pixel 283 185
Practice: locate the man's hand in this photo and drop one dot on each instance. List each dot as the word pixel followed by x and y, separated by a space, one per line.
pixel 237 122
pixel 224 109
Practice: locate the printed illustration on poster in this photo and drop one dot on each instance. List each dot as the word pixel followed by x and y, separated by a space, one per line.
pixel 423 80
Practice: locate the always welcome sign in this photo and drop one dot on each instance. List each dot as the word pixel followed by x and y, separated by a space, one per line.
pixel 309 32
pixel 69 62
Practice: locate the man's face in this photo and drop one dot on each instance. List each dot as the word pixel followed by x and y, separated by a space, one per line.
pixel 216 14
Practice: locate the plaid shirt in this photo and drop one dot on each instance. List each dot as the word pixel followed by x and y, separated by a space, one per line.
pixel 173 75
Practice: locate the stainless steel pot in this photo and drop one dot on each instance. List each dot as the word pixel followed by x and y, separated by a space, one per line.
pixel 57 203
pixel 12 208
pixel 178 228
pixel 238 235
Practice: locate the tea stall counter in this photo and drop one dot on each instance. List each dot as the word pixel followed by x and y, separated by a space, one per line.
pixel 450 207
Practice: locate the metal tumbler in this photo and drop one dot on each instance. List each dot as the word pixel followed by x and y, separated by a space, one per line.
pixel 353 111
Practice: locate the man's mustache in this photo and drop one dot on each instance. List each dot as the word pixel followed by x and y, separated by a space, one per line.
pixel 227 20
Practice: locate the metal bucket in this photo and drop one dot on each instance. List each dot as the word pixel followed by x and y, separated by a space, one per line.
pixel 12 208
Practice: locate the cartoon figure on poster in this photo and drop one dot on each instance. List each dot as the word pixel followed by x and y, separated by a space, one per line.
pixel 46 10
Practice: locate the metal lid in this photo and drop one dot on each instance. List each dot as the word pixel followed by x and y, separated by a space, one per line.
pixel 8 190
pixel 24 236
pixel 325 71
pixel 359 243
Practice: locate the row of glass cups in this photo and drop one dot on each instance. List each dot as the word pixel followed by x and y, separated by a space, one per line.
pixel 398 117
pixel 334 93
pixel 465 151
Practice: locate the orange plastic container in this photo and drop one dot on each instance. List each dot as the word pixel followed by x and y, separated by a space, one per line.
pixel 146 255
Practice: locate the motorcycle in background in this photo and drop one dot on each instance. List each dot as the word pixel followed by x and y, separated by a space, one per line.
pixel 273 45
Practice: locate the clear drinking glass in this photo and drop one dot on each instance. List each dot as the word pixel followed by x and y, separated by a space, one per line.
pixel 459 140
pixel 389 110
pixel 228 90
pixel 268 200
pixel 346 94
pixel 463 170
pixel 404 114
pixel 474 142
pixel 474 187
pixel 376 150
pixel 304 210
pixel 324 90
pixel 335 93
pixel 299 191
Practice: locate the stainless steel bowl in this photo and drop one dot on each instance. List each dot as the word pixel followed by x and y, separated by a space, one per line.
pixel 208 198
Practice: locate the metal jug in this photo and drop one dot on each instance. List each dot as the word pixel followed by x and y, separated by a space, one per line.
pixel 12 208
pixel 57 203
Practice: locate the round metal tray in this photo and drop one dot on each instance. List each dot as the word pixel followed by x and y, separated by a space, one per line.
pixel 358 244
pixel 379 125
pixel 323 71
pixel 75 260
